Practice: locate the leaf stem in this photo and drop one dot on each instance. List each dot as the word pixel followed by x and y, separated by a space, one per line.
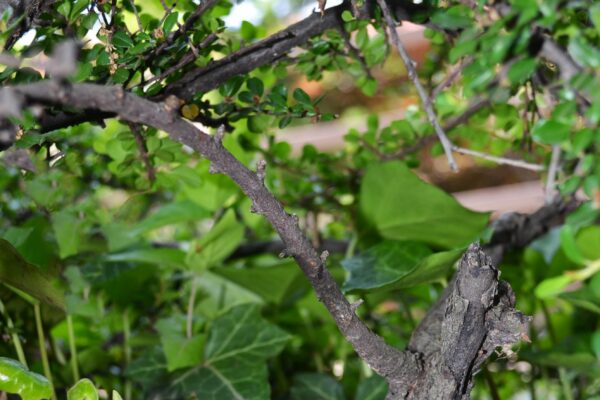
pixel 42 345
pixel 73 349
pixel 14 335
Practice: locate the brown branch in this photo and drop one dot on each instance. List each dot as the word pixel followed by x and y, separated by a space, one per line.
pixel 141 144
pixel 382 358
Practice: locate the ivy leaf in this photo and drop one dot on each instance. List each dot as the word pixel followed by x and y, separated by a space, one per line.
pixel 372 388
pixel 393 265
pixel 316 387
pixel 16 378
pixel 234 366
pixel 17 272
pixel 121 39
pixel 83 390
pixel 182 352
pixel 402 207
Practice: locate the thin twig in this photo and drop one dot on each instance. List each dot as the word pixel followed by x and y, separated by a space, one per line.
pixel 137 16
pixel 141 144
pixel 412 75
pixel 451 76
pixel 185 60
pixel 499 160
pixel 552 171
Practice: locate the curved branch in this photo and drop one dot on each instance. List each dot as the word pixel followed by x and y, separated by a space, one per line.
pixel 384 359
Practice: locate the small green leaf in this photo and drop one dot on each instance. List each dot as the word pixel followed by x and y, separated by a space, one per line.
pixel 301 96
pixel 550 132
pixel 17 379
pixel 255 86
pixel 247 31
pixel 83 390
pixel 170 22
pixel 347 16
pixel 258 123
pixel 522 70
pixel 457 17
pixel 121 39
pixel 552 287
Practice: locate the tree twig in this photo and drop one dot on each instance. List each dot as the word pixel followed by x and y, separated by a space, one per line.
pixel 412 75
pixel 552 171
pixel 499 160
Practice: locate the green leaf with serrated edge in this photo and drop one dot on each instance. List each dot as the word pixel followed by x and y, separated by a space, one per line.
pixel 17 272
pixel 383 264
pixel 271 283
pixel 373 388
pixel 234 366
pixel 316 387
pixel 17 379
pixel 83 390
pixel 400 206
pixel 212 248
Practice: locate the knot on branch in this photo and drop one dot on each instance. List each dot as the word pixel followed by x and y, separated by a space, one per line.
pixel 219 135
pixel 285 253
pixel 324 255
pixel 261 167
pixel 478 317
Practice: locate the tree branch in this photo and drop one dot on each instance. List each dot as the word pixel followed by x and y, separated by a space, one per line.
pixel 382 358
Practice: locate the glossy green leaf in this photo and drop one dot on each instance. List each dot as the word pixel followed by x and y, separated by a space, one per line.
pixel 170 22
pixel 247 31
pixel 234 366
pixel 301 96
pixel 372 388
pixel 17 272
pixel 403 207
pixel 211 249
pixel 17 379
pixel 521 70
pixel 383 264
pixel 121 39
pixel 550 132
pixel 552 287
pixel 83 390
pixel 316 387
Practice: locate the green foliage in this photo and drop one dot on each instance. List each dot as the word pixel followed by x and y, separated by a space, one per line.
pixel 143 248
